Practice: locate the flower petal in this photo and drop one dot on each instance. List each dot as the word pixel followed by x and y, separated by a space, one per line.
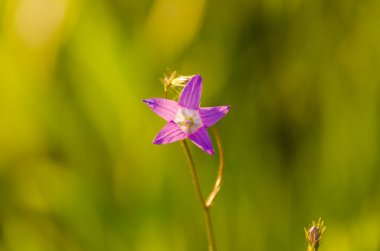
pixel 202 140
pixel 165 108
pixel 191 94
pixel 170 133
pixel 211 115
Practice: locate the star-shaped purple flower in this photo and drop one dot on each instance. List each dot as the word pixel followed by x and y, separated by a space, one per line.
pixel 185 118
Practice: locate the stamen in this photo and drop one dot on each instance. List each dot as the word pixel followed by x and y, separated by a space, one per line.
pixel 188 120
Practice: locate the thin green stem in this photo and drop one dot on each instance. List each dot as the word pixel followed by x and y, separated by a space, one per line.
pixel 206 209
pixel 194 174
pixel 210 231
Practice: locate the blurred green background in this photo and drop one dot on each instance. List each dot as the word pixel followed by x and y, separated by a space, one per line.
pixel 77 167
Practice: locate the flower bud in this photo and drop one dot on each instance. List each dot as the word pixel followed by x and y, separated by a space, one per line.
pixel 181 80
pixel 314 234
pixel 175 83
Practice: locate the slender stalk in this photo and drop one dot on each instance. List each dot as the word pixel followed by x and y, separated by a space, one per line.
pixel 210 231
pixel 193 172
pixel 206 209
pixel 311 248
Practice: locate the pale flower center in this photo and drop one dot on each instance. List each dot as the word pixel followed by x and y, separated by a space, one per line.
pixel 188 120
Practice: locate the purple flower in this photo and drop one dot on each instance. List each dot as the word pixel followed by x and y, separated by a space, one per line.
pixel 185 118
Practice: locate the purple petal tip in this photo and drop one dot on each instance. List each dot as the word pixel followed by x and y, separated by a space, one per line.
pixel 210 151
pixel 157 142
pixel 147 101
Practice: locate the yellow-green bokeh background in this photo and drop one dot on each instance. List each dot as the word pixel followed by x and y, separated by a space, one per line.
pixel 77 167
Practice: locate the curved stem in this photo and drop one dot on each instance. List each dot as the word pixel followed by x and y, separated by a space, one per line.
pixel 206 210
pixel 219 179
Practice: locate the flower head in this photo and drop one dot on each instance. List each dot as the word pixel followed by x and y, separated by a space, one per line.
pixel 186 119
